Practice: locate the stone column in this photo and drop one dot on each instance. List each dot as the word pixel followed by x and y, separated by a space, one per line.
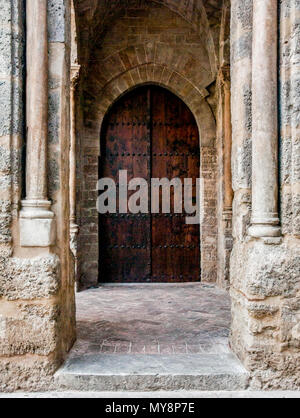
pixel 265 220
pixel 73 226
pixel 228 192
pixel 37 227
pixel 225 191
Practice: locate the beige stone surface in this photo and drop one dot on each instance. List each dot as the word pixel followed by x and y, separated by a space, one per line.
pixel 264 274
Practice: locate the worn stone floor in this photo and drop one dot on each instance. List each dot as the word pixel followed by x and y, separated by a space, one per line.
pixel 152 337
pixel 153 319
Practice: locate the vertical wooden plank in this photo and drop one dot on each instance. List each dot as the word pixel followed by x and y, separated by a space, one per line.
pixel 125 238
pixel 175 153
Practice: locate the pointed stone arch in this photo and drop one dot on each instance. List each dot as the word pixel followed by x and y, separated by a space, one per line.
pixel 163 76
pixel 99 105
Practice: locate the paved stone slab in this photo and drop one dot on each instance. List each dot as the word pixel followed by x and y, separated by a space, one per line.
pixel 153 319
pixel 152 337
pixel 152 372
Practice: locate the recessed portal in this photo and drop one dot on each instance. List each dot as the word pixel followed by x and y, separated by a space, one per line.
pixel 150 133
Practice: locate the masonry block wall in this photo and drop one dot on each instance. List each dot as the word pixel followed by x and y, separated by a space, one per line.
pixel 37 324
pixel 265 274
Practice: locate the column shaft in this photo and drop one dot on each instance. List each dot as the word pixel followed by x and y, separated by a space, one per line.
pixel 73 226
pixel 265 219
pixel 37 99
pixel 37 227
pixel 73 156
pixel 228 192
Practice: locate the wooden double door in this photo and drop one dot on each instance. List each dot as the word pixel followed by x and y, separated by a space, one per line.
pixel 150 133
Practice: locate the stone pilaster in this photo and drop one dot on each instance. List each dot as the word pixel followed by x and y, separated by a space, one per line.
pixel 225 191
pixel 228 192
pixel 265 219
pixel 37 226
pixel 73 225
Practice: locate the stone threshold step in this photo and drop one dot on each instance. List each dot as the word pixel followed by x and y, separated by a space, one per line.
pixel 113 372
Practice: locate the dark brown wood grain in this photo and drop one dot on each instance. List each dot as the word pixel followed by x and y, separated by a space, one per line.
pixel 152 134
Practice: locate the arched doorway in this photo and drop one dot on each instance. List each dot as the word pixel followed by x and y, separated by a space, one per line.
pixel 150 133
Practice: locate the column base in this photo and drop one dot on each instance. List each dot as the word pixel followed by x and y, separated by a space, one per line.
pixel 37 224
pixel 227 218
pixel 74 230
pixel 264 231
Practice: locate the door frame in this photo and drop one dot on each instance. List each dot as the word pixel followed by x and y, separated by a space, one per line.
pixel 199 122
pixel 88 246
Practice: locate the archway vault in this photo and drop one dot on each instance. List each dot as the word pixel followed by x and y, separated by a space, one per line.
pixel 159 75
pixel 93 19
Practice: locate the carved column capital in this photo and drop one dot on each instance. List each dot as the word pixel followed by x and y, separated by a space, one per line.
pixel 75 72
pixel 224 77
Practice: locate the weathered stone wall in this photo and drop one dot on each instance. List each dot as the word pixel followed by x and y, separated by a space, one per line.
pixel 59 38
pixel 11 117
pixel 265 273
pixel 36 286
pixel 290 101
pixel 146 43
